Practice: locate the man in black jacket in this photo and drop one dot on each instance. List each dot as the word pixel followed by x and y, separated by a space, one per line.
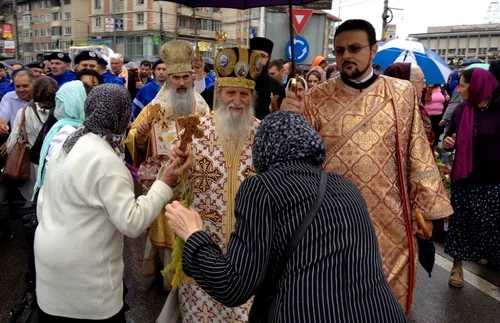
pixel 270 92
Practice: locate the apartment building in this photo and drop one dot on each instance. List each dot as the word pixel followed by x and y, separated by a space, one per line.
pixel 7 37
pixel 456 43
pixel 48 25
pixel 143 25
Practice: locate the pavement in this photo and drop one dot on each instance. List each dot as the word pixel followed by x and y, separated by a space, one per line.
pixel 435 301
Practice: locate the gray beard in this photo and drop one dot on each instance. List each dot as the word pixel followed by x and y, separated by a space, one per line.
pixel 233 129
pixel 180 105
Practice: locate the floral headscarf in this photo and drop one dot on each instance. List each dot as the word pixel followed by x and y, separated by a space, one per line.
pixel 108 110
pixel 283 137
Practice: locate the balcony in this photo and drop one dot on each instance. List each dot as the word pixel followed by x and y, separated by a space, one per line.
pixel 201 33
pixel 56 23
pixel 188 12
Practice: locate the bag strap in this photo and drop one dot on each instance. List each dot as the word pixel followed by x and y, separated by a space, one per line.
pixel 22 126
pixel 308 219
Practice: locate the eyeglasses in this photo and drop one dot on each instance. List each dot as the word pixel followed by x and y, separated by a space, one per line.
pixel 420 81
pixel 352 49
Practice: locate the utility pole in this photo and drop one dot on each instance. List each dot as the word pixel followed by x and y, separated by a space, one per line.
pixel 114 26
pixel 162 33
pixel 385 17
pixel 249 26
pixel 16 26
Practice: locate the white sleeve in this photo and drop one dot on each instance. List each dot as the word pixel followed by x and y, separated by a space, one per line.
pixel 200 85
pixel 58 139
pixel 130 216
pixel 11 141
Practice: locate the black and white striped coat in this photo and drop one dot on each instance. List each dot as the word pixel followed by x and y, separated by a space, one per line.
pixel 335 275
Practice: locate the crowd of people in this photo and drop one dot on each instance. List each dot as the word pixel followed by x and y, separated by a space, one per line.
pixel 299 198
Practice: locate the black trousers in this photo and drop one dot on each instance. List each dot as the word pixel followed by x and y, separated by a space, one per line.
pixel 47 318
pixel 436 128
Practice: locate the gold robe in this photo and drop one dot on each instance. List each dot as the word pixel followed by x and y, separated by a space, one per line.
pixel 216 175
pixel 376 139
pixel 161 137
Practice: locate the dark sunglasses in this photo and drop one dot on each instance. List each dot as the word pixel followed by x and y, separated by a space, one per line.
pixel 352 49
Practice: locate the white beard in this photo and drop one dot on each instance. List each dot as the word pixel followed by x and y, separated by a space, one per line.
pixel 233 127
pixel 179 105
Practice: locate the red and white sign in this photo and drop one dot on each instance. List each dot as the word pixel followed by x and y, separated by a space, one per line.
pixel 10 46
pixel 300 18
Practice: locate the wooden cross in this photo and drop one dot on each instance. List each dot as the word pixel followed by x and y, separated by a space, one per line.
pixel 190 125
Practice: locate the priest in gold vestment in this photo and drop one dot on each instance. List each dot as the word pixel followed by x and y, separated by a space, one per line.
pixel 374 136
pixel 152 134
pixel 222 161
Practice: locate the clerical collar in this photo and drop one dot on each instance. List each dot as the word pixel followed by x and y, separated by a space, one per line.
pixel 361 85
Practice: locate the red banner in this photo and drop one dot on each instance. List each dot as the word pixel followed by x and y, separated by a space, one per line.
pixel 7 31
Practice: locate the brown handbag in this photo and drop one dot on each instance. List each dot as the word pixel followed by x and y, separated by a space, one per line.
pixel 18 165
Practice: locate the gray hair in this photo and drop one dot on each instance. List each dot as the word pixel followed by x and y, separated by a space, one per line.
pixel 24 72
pixel 414 69
pixel 117 56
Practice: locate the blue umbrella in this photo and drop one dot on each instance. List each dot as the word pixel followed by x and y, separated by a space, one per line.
pixel 434 67
pixel 471 61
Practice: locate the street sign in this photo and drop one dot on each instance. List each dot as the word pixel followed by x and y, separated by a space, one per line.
pixel 9 46
pixel 391 32
pixel 322 4
pixel 119 24
pixel 109 24
pixel 156 40
pixel 301 49
pixel 300 18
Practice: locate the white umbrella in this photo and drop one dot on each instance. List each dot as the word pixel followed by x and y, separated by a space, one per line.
pixel 435 69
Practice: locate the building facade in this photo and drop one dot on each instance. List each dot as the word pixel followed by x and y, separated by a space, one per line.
pixel 48 25
pixel 143 25
pixel 457 43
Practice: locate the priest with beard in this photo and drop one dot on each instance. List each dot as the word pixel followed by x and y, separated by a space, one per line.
pixel 151 136
pixel 270 92
pixel 222 161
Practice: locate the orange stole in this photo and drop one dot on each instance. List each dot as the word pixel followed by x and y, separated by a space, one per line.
pixel 359 132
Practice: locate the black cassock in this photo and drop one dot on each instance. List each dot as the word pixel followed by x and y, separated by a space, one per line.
pixel 264 87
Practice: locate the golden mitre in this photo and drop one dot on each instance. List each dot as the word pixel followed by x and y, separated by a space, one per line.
pixel 177 55
pixel 237 67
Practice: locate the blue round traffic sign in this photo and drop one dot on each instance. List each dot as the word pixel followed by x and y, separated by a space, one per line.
pixel 301 49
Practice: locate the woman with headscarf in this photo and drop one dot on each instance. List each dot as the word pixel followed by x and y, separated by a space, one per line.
pixel 85 207
pixel 474 230
pixel 35 114
pixel 68 115
pixel 302 87
pixel 413 73
pixel 310 286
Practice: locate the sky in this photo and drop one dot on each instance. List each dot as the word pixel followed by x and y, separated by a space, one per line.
pixel 416 15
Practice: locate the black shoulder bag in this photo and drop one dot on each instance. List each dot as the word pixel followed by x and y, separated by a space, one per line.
pixel 264 298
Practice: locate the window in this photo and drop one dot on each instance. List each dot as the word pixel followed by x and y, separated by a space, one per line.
pixel 47 18
pixel 42 4
pixel 67 16
pixel 43 33
pixel 451 51
pixel 35 6
pixel 181 23
pixel 140 19
pixel 472 51
pixel 67 31
pixel 42 19
pixel 35 19
pixel 140 1
pixel 97 4
pixel 37 33
pixel 28 47
pixel 49 32
pixel 98 21
pixel 56 31
pixel 25 34
pixel 56 16
pixel 26 20
pixel 67 1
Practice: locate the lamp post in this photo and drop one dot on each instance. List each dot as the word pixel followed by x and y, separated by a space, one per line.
pixel 88 26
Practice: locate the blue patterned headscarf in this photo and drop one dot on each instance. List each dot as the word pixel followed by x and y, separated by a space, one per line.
pixel 283 137
pixel 70 101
